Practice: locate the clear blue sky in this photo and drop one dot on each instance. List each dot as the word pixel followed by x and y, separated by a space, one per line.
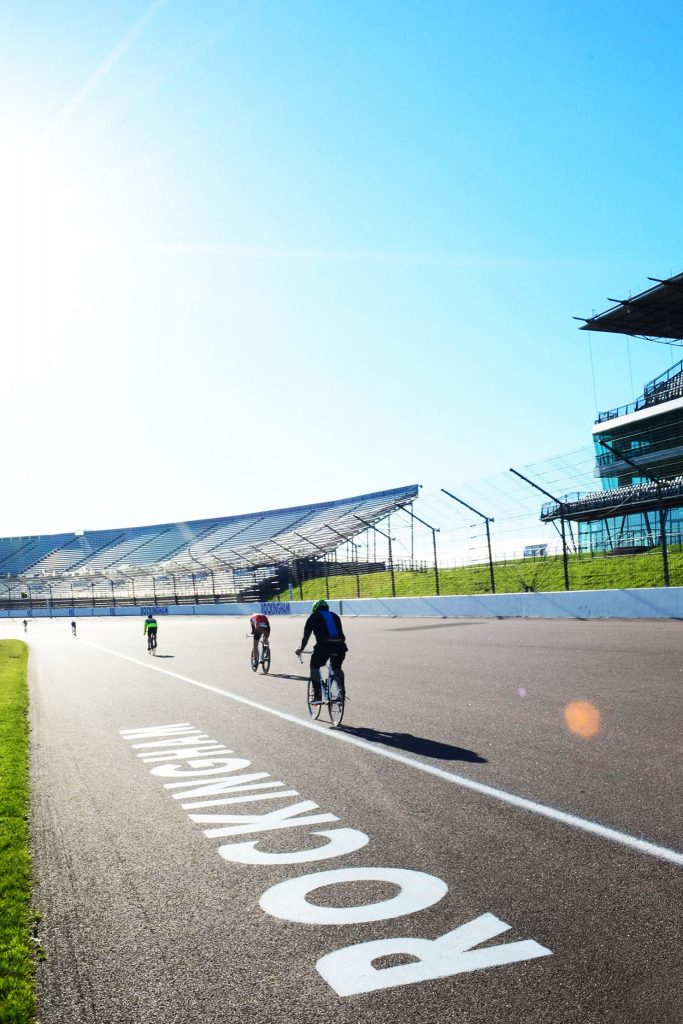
pixel 305 249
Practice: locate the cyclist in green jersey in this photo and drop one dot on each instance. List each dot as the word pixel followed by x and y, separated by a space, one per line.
pixel 150 629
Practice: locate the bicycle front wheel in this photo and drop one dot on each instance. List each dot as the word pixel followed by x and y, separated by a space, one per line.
pixel 254 661
pixel 313 709
pixel 265 660
pixel 335 705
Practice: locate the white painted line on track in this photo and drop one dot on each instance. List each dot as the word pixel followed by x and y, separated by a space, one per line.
pixel 585 825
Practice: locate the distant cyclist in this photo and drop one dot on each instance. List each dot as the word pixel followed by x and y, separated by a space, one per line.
pixel 25 626
pixel 260 627
pixel 330 643
pixel 73 628
pixel 151 626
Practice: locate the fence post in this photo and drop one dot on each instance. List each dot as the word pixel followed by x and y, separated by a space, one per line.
pixel 487 520
pixel 388 536
pixel 435 530
pixel 391 568
pixel 552 497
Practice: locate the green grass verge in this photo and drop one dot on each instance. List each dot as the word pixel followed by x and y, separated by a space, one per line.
pixel 17 995
pixel 541 574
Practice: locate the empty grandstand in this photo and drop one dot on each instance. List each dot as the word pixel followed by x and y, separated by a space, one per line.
pixel 233 558
pixel 638 447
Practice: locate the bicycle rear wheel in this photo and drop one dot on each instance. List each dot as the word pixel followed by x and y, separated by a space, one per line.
pixel 254 660
pixel 335 705
pixel 265 660
pixel 313 709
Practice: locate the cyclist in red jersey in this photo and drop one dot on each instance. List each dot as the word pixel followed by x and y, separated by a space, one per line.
pixel 260 627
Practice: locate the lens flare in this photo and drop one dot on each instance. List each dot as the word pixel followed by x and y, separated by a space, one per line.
pixel 582 719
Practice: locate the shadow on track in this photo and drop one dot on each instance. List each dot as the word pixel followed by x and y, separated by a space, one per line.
pixel 157 656
pixel 416 744
pixel 433 625
pixel 285 675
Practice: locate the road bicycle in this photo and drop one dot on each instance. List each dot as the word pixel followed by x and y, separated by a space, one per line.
pixel 262 655
pixel 332 695
pixel 151 642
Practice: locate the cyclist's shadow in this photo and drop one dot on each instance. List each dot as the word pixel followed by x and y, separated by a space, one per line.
pixel 415 744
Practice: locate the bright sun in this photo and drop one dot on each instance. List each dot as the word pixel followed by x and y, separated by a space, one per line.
pixel 43 257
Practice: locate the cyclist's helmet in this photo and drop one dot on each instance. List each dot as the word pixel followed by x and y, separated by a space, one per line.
pixel 318 605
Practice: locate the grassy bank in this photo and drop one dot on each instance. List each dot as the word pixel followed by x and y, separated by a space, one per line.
pixel 542 574
pixel 17 1000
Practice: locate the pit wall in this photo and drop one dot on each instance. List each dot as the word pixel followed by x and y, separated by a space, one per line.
pixel 653 603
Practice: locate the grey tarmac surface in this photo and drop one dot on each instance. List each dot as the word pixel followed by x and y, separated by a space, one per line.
pixel 144 921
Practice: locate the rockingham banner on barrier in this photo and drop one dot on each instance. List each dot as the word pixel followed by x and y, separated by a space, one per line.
pixel 651 603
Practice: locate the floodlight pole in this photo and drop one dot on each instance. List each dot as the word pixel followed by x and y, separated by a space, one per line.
pixel 487 520
pixel 344 537
pixel 561 505
pixel 662 514
pixel 435 530
pixel 391 557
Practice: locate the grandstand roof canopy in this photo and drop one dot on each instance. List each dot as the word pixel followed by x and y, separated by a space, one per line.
pixel 232 542
pixel 656 313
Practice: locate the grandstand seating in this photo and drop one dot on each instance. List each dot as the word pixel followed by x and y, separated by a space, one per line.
pixel 621 500
pixel 19 553
pixel 667 386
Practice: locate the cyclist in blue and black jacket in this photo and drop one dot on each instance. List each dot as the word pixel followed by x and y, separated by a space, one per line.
pixel 330 643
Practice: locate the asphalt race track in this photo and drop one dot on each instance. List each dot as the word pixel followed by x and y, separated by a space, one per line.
pixel 493 836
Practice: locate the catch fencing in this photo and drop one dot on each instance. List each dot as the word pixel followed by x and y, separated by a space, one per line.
pixel 513 532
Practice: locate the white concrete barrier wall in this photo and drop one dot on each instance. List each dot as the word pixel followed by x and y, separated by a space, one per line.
pixel 161 611
pixel 654 603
